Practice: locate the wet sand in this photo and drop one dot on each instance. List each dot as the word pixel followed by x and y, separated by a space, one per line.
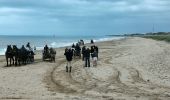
pixel 128 69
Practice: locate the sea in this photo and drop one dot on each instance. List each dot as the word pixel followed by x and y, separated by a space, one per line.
pixel 39 42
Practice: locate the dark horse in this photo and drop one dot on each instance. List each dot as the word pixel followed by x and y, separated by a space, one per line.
pixel 9 54
pixel 22 56
pixel 25 56
pixel 17 55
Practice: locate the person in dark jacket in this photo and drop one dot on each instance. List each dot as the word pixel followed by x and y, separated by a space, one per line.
pixel 83 52
pixel 69 56
pixel 87 57
pixel 92 48
pixel 92 41
pixel 46 50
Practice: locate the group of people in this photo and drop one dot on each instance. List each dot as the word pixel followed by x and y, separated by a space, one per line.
pixel 86 52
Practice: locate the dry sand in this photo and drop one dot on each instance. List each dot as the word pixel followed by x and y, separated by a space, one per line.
pixel 128 69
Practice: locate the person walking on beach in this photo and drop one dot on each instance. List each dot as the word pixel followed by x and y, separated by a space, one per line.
pixel 83 52
pixel 69 56
pixel 87 57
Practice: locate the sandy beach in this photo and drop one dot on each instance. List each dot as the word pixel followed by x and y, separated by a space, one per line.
pixel 128 69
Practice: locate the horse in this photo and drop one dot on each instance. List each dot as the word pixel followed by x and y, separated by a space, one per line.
pixel 16 55
pixel 22 55
pixel 9 54
pixel 30 56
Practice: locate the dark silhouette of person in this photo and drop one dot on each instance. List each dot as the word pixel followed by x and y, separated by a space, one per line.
pixel 69 56
pixel 28 45
pixel 83 52
pixel 92 48
pixel 92 41
pixel 46 49
pixel 78 49
pixel 30 49
pixel 97 50
pixel 87 57
pixel 73 46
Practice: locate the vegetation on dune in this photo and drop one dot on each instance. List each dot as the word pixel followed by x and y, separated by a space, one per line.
pixel 159 37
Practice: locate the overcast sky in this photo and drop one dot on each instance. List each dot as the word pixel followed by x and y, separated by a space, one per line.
pixel 70 17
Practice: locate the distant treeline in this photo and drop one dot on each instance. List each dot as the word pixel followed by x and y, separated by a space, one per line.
pixel 148 34
pixel 143 34
pixel 162 36
pixel 159 37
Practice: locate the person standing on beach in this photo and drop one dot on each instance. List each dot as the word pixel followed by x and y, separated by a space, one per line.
pixel 92 41
pixel 69 56
pixel 97 50
pixel 83 52
pixel 87 57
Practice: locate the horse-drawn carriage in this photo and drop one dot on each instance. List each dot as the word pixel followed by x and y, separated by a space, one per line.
pixel 18 56
pixel 49 54
pixel 76 53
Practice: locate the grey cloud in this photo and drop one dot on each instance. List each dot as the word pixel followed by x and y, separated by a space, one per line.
pixel 84 15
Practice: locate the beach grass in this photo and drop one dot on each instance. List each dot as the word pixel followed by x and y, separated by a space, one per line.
pixel 159 37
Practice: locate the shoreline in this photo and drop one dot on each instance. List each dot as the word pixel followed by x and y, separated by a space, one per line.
pixel 88 44
pixel 54 42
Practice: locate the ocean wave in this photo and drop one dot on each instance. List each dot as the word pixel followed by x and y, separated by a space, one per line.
pixel 60 44
pixel 2 51
pixel 107 39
